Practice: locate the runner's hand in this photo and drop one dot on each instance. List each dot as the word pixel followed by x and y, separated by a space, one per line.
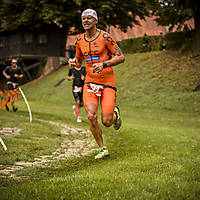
pixel 74 62
pixel 70 78
pixel 82 77
pixel 97 67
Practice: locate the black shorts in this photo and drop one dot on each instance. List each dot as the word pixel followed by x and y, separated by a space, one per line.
pixel 78 93
pixel 11 86
pixel 78 96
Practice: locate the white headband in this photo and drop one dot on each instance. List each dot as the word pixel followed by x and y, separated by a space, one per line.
pixel 89 12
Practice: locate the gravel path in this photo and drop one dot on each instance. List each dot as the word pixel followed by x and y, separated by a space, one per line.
pixel 78 142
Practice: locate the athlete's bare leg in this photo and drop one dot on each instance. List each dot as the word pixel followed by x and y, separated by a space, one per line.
pixel 77 107
pixel 79 104
pixel 91 110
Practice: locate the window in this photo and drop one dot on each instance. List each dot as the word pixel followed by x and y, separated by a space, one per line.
pixel 42 39
pixel 2 42
pixel 28 38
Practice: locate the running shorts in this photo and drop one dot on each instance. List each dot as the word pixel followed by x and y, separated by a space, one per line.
pixel 107 98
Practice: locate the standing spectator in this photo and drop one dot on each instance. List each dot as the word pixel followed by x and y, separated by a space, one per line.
pixel 13 73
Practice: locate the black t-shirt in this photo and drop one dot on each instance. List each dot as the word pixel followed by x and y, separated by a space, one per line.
pixel 77 76
pixel 10 71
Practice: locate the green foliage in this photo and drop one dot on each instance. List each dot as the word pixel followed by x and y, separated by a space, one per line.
pixel 181 41
pixel 141 44
pixel 33 13
pixel 176 12
pixel 178 40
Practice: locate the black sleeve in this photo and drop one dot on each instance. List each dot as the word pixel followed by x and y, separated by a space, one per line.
pixel 83 71
pixel 19 72
pixel 70 72
pixel 7 70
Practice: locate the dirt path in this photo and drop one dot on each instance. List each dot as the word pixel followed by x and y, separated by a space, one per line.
pixel 78 142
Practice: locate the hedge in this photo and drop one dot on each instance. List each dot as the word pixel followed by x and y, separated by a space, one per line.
pixel 173 40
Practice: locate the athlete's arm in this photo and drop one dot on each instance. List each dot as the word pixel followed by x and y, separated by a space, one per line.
pixel 113 48
pixel 20 73
pixel 77 61
pixel 6 75
pixel 117 59
pixel 69 78
pixel 70 75
pixel 83 73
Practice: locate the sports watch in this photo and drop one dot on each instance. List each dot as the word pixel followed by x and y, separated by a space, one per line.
pixel 104 65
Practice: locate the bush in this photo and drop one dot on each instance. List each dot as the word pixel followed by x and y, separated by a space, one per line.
pixel 178 40
pixel 175 41
pixel 135 45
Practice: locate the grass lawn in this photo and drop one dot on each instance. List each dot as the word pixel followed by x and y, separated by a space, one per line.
pixel 155 154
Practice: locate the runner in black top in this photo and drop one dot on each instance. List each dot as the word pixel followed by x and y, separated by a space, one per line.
pixel 13 73
pixel 78 76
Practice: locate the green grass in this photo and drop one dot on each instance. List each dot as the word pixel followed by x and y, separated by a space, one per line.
pixel 155 154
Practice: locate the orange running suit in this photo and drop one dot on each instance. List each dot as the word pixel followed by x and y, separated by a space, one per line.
pixel 97 51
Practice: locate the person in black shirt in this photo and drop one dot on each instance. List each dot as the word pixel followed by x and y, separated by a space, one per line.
pixel 13 73
pixel 78 77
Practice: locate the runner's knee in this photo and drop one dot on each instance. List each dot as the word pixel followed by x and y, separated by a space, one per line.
pixel 78 103
pixel 92 116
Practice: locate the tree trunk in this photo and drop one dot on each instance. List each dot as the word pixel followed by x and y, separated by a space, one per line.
pixel 196 42
pixel 197 21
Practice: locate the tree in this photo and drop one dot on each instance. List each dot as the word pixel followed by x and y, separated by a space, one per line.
pixel 66 13
pixel 176 12
pixel 15 14
pixel 116 12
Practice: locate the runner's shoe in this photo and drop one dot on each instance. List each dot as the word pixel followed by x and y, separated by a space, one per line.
pixel 74 107
pixel 103 153
pixel 118 122
pixel 79 119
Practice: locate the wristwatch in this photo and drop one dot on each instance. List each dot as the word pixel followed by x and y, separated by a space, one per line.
pixel 104 65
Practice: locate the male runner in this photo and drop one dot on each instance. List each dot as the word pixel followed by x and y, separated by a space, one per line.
pixel 13 73
pixel 97 48
pixel 78 77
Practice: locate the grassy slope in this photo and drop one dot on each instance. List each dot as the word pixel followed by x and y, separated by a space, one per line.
pixel 158 109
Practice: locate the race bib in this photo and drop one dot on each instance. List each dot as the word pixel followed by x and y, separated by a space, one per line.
pixel 96 89
pixel 13 84
pixel 77 89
